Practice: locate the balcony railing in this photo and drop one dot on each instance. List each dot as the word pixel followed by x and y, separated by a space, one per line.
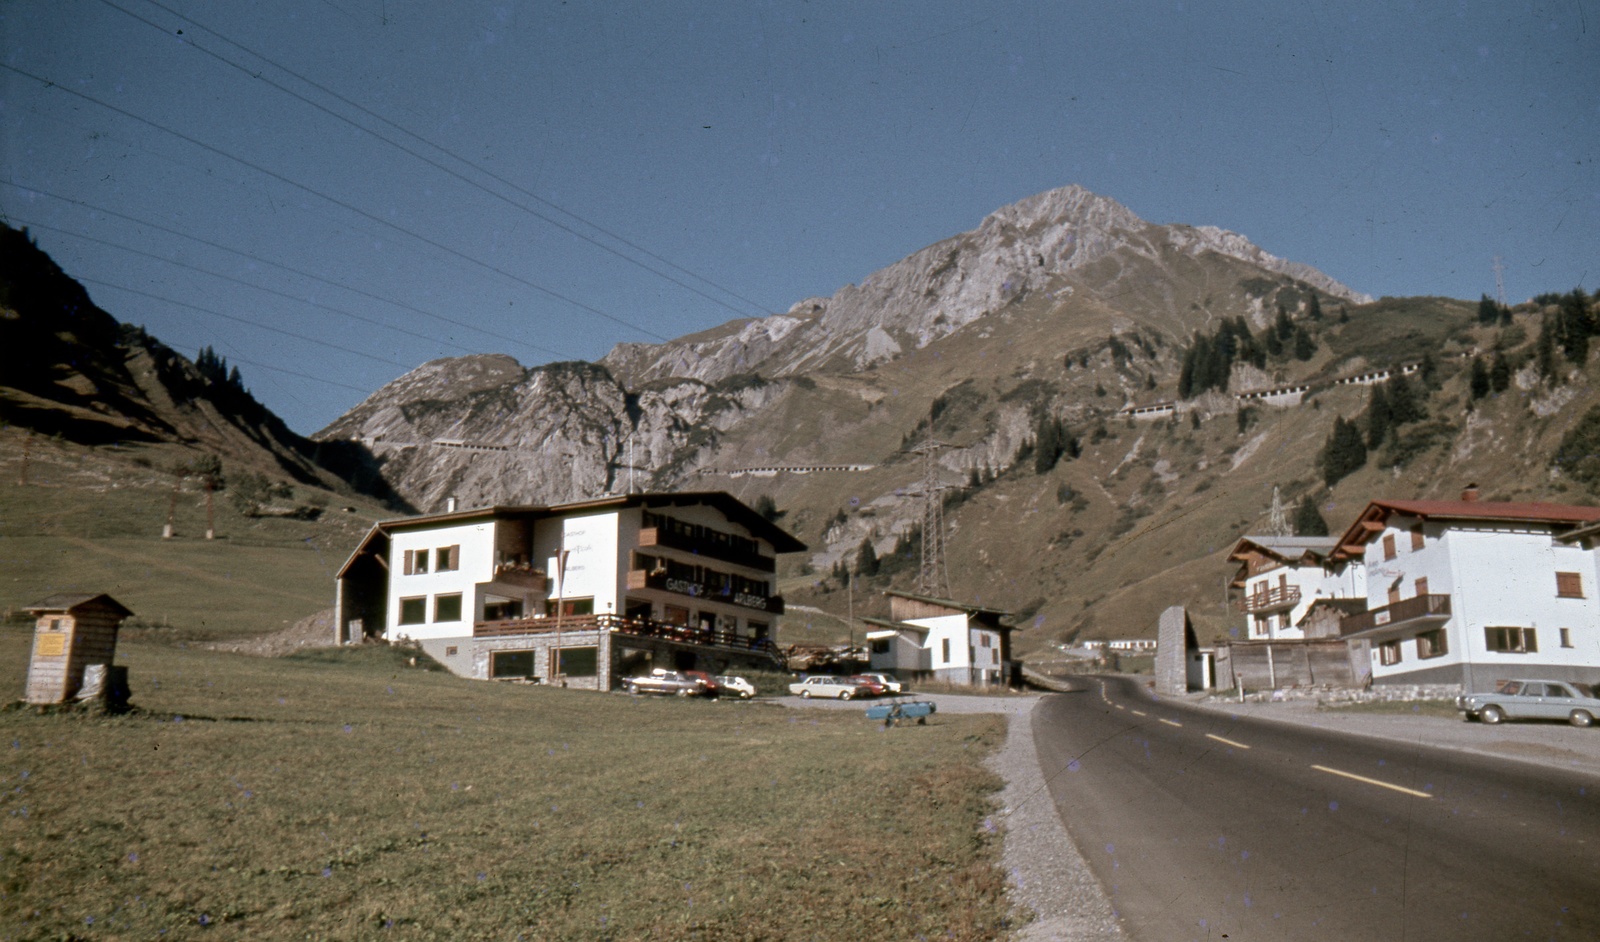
pixel 618 624
pixel 523 577
pixel 650 579
pixel 1269 600
pixel 709 547
pixel 1415 610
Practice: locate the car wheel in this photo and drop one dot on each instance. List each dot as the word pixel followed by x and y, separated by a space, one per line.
pixel 805 695
pixel 683 693
pixel 844 695
pixel 745 696
pixel 1581 718
pixel 1492 715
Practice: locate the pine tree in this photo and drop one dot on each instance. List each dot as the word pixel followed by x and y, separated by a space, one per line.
pixel 1314 308
pixel 1499 373
pixel 1576 326
pixel 866 559
pixel 1428 371
pixel 1272 342
pixel 1343 453
pixel 1304 346
pixel 1488 311
pixel 1283 326
pixel 1405 401
pixel 1380 418
pixel 1344 314
pixel 1308 520
pixel 1479 382
pixel 1544 349
pixel 1046 444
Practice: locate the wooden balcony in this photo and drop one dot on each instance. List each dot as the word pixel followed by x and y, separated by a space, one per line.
pixel 1416 612
pixel 647 579
pixel 710 548
pixel 617 624
pixel 522 577
pixel 1275 599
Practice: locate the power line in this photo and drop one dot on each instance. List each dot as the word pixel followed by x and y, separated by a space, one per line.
pixel 240 281
pixel 48 83
pixel 435 164
pixel 242 320
pixel 296 271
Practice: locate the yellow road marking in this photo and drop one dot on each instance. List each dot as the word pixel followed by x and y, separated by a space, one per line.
pixel 1170 722
pixel 1229 742
pixel 1372 781
pixel 1140 713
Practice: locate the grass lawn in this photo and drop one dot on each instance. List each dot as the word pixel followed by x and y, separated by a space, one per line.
pixel 1446 708
pixel 344 794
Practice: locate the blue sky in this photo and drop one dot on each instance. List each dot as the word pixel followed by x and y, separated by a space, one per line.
pixel 220 186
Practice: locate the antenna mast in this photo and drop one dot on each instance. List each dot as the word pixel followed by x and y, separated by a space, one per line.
pixel 1278 521
pixel 933 579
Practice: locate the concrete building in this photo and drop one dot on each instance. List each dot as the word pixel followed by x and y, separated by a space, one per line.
pixel 1472 592
pixel 1281 576
pixel 941 639
pixel 582 594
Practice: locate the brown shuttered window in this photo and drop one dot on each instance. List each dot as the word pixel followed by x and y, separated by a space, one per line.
pixel 1569 585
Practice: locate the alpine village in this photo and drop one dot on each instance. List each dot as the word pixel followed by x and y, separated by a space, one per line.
pixel 394 678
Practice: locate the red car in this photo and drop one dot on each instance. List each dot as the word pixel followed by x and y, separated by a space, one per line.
pixel 708 684
pixel 870 686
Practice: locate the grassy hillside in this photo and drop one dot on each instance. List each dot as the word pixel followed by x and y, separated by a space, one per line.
pixel 1144 516
pixel 89 519
pixel 346 795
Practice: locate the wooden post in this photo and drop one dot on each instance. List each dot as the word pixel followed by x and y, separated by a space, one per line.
pixel 172 505
pixel 27 448
pixel 211 519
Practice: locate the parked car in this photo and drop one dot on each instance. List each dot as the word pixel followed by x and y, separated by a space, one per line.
pixel 1533 700
pixel 708 684
pixel 664 682
pixel 823 685
pixel 871 687
pixel 736 686
pixel 893 686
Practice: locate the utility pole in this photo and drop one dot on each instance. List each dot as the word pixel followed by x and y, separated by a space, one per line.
pixel 1278 520
pixel 933 579
pixel 178 475
pixel 27 449
pixel 211 516
pixel 561 604
pixel 1500 280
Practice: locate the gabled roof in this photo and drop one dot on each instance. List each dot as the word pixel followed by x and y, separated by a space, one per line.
pixel 1344 606
pixel 1374 518
pixel 895 627
pixel 69 601
pixel 1285 548
pixel 948 603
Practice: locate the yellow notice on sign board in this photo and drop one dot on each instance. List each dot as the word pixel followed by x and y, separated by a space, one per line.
pixel 51 645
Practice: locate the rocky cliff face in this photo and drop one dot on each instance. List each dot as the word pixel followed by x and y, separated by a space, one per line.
pixel 1046 245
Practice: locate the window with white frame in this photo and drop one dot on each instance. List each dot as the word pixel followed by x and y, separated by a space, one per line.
pixel 1389 653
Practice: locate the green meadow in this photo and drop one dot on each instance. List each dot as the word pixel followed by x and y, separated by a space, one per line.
pixel 347 794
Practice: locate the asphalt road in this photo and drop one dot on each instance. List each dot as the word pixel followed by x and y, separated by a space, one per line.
pixel 1206 826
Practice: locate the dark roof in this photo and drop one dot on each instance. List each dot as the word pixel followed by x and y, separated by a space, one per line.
pixel 1369 523
pixel 948 603
pixel 731 507
pixel 1343 606
pixel 896 625
pixel 1286 547
pixel 71 601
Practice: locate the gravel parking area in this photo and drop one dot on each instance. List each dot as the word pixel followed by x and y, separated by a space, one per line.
pixel 1046 874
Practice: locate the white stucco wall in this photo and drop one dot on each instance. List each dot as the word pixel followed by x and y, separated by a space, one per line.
pixel 475 565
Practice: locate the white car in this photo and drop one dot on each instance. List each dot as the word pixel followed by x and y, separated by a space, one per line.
pixel 736 686
pixel 824 685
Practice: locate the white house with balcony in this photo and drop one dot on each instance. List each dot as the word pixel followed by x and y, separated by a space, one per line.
pixel 1472 592
pixel 941 639
pixel 581 594
pixel 1281 576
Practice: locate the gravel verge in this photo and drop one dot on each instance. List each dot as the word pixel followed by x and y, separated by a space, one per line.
pixel 1045 873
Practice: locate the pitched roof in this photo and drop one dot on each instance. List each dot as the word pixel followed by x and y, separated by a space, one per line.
pixel 1372 520
pixel 1287 547
pixel 67 601
pixel 948 603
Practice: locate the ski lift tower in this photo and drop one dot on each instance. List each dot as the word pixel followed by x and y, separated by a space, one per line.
pixel 933 579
